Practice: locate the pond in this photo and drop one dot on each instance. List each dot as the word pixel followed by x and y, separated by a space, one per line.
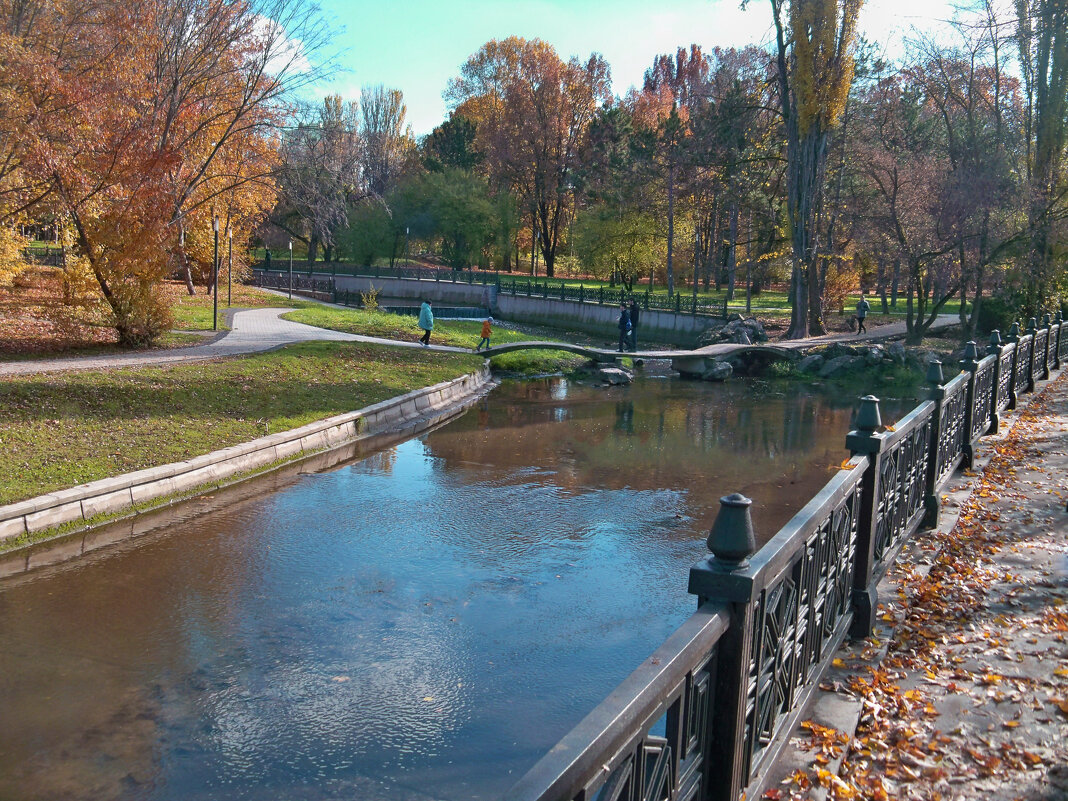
pixel 421 624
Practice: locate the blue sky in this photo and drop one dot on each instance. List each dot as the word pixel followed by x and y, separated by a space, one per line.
pixel 418 45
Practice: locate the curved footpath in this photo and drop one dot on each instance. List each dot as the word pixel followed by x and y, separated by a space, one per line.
pixel 258 330
pixel 962 692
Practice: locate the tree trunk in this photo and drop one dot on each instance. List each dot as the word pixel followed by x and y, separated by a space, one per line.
pixel 187 273
pixel 671 230
pixel 313 249
pixel 895 283
pixel 732 257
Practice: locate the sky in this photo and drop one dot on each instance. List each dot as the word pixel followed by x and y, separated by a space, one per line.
pixel 417 46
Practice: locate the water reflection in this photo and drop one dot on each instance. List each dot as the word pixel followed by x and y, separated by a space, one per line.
pixel 423 623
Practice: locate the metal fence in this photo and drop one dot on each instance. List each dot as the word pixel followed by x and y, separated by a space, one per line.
pixel 38 254
pixel 705 717
pixel 505 285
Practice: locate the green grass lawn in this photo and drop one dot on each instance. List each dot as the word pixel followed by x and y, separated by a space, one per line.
pixel 194 312
pixel 458 333
pixel 63 429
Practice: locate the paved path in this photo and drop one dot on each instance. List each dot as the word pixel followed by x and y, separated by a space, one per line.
pixel 963 691
pixel 252 331
pixel 258 330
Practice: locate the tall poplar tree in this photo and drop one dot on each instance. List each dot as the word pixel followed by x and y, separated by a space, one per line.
pixel 815 40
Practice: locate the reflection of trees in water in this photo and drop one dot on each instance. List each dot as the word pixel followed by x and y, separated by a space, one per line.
pixel 650 438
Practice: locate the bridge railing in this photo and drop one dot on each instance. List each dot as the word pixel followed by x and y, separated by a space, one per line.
pixel 706 716
pixel 544 288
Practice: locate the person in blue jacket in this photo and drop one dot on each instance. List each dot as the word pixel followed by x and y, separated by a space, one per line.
pixel 426 322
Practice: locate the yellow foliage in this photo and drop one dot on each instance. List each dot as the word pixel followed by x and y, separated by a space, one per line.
pixel 12 262
pixel 824 34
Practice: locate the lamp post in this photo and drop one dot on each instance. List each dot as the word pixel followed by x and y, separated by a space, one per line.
pixel 229 263
pixel 407 231
pixel 291 269
pixel 215 275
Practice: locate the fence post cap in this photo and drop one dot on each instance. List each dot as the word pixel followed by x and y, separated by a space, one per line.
pixel 934 373
pixel 868 416
pixel 731 539
pixel 1032 325
pixel 971 351
pixel 1060 316
pixel 995 343
pixel 1014 330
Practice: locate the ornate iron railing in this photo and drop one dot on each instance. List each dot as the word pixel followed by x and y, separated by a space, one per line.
pixel 902 482
pixel 1006 359
pixel 951 434
pixel 298 283
pixel 1024 364
pixel 706 716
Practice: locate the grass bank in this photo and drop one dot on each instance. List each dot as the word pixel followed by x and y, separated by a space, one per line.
pixel 458 333
pixel 60 430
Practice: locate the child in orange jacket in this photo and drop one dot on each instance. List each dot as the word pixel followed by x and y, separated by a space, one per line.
pixel 485 333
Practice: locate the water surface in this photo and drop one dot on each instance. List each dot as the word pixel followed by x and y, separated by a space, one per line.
pixel 424 623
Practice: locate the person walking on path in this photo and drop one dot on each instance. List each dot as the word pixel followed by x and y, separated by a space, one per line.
pixel 486 331
pixel 267 260
pixel 863 307
pixel 624 327
pixel 426 322
pixel 634 312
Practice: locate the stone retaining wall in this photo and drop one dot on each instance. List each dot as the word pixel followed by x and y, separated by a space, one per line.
pixel 654 325
pixel 121 493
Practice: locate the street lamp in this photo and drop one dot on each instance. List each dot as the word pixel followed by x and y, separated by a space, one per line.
pixel 229 263
pixel 407 230
pixel 291 269
pixel 215 275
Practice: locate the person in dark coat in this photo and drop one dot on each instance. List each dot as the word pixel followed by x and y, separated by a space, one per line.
pixel 863 307
pixel 267 260
pixel 634 312
pixel 624 327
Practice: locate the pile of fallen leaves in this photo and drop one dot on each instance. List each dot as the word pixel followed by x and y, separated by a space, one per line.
pixel 976 658
pixel 35 317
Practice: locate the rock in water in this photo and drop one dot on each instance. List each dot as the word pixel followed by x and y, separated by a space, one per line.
pixel 718 371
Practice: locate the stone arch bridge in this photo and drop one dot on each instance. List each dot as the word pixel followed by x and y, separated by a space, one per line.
pixel 686 362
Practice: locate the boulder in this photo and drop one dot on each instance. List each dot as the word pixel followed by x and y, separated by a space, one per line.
pixel 737 329
pixel 896 351
pixel 811 363
pixel 838 364
pixel 718 371
pixel 613 375
pixel 874 355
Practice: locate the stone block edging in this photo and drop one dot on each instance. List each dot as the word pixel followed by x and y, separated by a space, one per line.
pixel 117 493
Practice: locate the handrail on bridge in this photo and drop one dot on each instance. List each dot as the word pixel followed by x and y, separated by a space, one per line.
pixel 707 715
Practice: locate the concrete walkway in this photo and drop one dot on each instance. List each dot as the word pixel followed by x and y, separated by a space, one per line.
pixel 962 693
pixel 258 330
pixel 252 331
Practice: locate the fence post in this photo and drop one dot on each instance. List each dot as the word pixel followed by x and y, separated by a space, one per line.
pixel 970 363
pixel 1047 324
pixel 678 302
pixel 994 350
pixel 648 293
pixel 600 295
pixel 563 290
pixel 865 440
pixel 1056 350
pixel 693 311
pixel 723 577
pixel 582 294
pixel 931 502
pixel 1014 338
pixel 1032 329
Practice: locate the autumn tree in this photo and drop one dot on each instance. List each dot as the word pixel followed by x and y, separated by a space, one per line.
pixel 141 118
pixel 320 174
pixel 532 111
pixel 1042 38
pixel 814 52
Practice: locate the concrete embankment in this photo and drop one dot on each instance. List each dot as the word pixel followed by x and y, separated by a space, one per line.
pixel 591 318
pixel 96 503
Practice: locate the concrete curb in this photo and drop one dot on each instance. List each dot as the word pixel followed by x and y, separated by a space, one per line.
pixel 120 493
